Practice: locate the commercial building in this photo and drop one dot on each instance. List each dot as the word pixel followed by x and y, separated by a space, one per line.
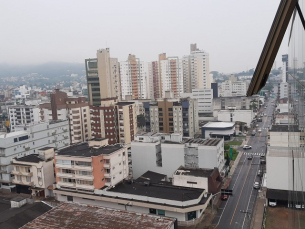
pixel 74 109
pixel 23 115
pixel 142 196
pixel 286 136
pixel 171 75
pixel 172 116
pixel 164 153
pixel 90 165
pixel 103 77
pixel 134 78
pixel 237 102
pixel 223 130
pixel 34 173
pixel 28 141
pixel 93 217
pixel 232 115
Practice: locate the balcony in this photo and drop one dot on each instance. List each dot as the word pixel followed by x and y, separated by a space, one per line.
pixel 68 175
pixel 22 173
pixel 107 166
pixel 3 171
pixel 22 182
pixel 84 177
pixel 83 167
pixel 68 166
pixel 85 186
pixel 107 175
pixel 66 184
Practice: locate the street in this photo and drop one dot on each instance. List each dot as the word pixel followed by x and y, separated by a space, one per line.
pixel 236 212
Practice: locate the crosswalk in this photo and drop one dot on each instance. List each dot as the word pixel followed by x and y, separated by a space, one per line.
pixel 254 154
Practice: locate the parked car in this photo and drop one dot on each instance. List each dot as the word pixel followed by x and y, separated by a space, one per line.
pixel 259 173
pixel 224 197
pixel 262 157
pixel 263 161
pixel 272 202
pixel 247 147
pixel 256 185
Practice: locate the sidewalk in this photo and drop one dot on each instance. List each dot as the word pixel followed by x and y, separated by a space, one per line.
pixel 258 215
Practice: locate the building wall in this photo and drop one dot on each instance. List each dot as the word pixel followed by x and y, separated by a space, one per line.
pixel 184 181
pixel 40 135
pixel 236 116
pixel 285 139
pixel 98 172
pixel 23 115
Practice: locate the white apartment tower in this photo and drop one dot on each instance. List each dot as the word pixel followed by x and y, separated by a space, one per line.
pixel 134 78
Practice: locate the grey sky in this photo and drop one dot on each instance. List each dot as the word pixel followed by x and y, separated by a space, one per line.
pixel 233 32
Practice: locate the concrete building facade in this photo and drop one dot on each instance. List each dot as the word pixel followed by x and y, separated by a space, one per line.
pixel 103 77
pixel 28 140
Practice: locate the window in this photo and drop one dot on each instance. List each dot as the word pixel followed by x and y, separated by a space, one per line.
pixel 17 168
pixel 160 109
pixel 70 198
pixel 153 211
pixel 191 215
pixel 191 182
pixel 28 179
pixel 162 212
pixel 101 161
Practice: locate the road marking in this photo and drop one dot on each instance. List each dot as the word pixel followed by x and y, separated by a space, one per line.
pixel 240 194
pixel 238 174
pixel 249 200
pixel 222 212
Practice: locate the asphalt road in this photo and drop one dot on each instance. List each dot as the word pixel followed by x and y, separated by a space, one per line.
pixel 236 212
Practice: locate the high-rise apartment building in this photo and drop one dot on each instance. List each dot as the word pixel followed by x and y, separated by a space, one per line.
pixel 75 109
pixel 172 116
pixel 103 77
pixel 171 75
pixel 134 78
pixel 233 88
pixel 23 115
pixel 153 74
pixel 196 70
pixel 116 121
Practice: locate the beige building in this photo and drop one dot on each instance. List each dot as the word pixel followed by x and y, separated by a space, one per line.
pixel 103 77
pixel 35 173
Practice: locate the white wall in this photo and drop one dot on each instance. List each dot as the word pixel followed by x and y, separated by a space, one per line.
pixel 237 116
pixel 182 180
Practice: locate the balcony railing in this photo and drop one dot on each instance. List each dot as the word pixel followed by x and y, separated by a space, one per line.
pixel 22 182
pixel 29 174
pixel 83 177
pixel 85 186
pixel 66 184
pixel 69 175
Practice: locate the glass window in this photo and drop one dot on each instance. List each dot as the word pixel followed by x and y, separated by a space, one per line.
pixel 153 211
pixel 161 212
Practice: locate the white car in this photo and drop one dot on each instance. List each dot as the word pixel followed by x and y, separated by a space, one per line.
pixel 256 185
pixel 272 202
pixel 247 147
pixel 259 130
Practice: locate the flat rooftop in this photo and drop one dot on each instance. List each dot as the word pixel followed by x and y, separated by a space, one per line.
pixel 276 151
pixel 73 215
pixel 161 191
pixel 14 134
pixel 124 103
pixel 284 128
pixel 33 158
pixel 83 150
pixel 151 177
pixel 199 141
pixel 196 172
pixel 219 124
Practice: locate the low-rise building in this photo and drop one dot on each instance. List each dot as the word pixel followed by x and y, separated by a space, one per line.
pixel 142 196
pixel 29 140
pixel 93 217
pixel 286 136
pixel 233 115
pixel 224 130
pixel 34 173
pixel 208 179
pixel 91 165
pixel 164 153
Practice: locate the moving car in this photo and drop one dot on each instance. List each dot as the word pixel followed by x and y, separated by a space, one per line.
pixel 256 185
pixel 259 173
pixel 250 157
pixel 259 130
pixel 263 161
pixel 247 147
pixel 253 133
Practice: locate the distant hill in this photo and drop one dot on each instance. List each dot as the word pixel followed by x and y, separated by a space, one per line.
pixel 49 70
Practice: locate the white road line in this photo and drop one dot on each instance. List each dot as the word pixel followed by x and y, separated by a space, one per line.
pixel 238 174
pixel 223 210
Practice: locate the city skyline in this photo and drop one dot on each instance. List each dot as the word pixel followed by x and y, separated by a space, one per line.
pixel 48 32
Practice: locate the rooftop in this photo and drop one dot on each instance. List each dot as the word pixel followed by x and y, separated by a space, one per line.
pixel 152 177
pixel 34 158
pixel 13 218
pixel 46 148
pixel 284 128
pixel 197 172
pixel 277 151
pixel 72 215
pixel 124 103
pixel 219 124
pixel 83 150
pixel 13 134
pixel 162 190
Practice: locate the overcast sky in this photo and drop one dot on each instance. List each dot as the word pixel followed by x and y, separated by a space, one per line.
pixel 233 32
